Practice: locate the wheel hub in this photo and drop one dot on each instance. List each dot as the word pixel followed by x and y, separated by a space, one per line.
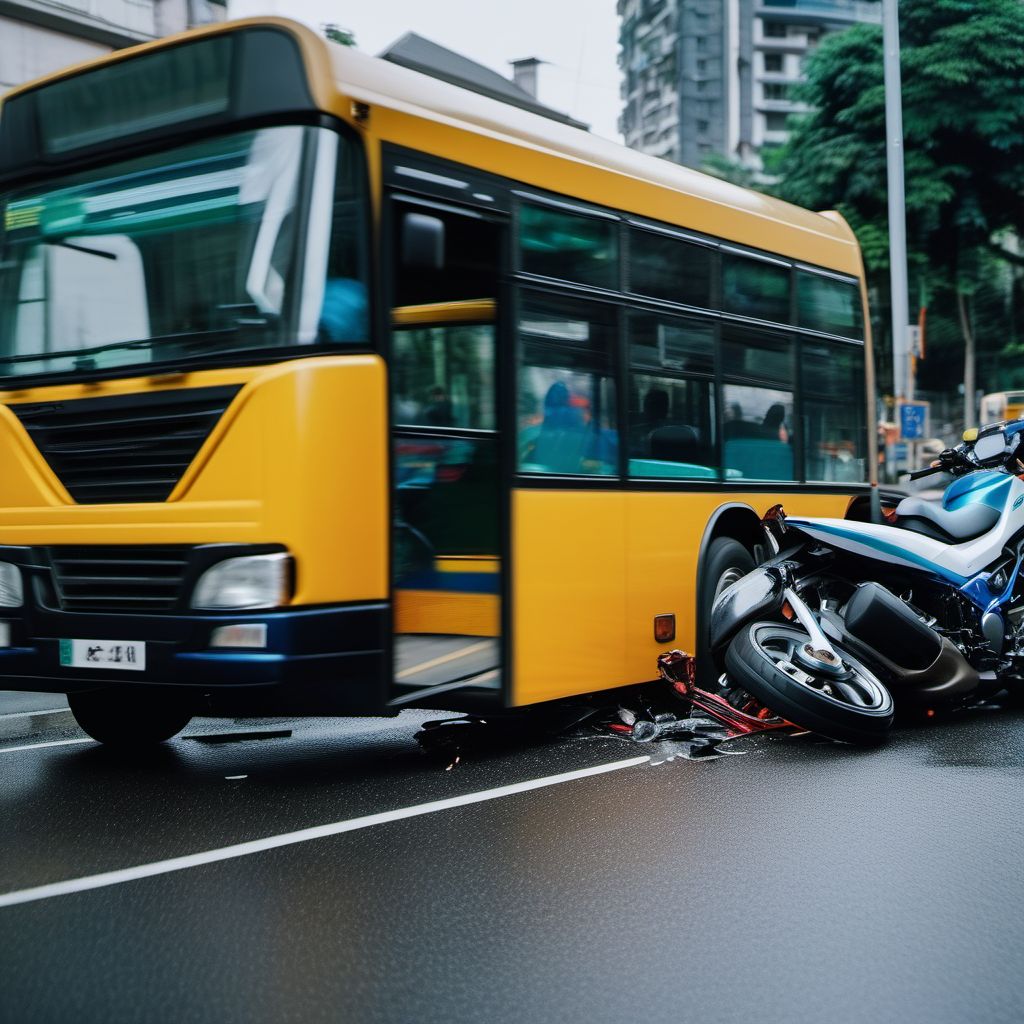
pixel 815 660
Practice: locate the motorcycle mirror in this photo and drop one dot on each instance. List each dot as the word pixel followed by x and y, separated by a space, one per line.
pixel 990 446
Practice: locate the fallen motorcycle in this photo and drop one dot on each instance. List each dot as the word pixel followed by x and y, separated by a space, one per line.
pixel 926 609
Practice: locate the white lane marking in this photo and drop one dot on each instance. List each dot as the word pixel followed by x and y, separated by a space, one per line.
pixel 36 746
pixel 462 652
pixel 32 714
pixel 195 860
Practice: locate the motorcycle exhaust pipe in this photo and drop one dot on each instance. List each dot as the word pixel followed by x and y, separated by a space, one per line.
pixel 922 665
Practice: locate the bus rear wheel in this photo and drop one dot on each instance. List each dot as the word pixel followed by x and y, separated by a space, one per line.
pixel 726 561
pixel 128 718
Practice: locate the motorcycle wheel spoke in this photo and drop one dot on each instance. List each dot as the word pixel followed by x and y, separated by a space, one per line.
pixel 852 692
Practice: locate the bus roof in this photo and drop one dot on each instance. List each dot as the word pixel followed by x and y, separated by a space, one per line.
pixel 420 112
pixel 687 197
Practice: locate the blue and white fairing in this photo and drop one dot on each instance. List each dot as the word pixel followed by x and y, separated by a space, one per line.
pixel 957 564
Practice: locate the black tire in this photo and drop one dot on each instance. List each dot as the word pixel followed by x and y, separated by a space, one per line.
pixel 726 561
pixel 863 712
pixel 128 718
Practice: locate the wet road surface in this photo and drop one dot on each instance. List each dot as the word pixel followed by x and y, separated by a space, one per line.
pixel 799 881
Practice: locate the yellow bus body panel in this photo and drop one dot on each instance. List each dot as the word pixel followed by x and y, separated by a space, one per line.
pixel 300 459
pixel 593 569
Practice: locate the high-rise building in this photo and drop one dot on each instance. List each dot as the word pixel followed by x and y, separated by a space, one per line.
pixel 717 76
pixel 40 36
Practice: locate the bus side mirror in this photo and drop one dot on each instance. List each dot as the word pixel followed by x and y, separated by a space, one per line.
pixel 423 241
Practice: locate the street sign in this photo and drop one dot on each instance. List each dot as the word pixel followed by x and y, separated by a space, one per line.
pixel 913 421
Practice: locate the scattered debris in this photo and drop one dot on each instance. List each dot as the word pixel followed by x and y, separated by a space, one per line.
pixel 450 739
pixel 735 708
pixel 681 720
pixel 231 778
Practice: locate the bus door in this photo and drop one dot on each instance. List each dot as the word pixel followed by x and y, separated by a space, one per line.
pixel 448 517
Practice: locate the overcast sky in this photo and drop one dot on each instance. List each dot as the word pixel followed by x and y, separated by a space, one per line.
pixel 579 39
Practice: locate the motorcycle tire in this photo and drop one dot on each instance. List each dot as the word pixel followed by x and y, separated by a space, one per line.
pixel 853 707
pixel 726 561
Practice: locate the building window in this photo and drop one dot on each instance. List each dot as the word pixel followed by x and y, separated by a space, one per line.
pixel 774 62
pixel 702 44
pixel 776 121
pixel 703 126
pixel 776 91
pixel 774 30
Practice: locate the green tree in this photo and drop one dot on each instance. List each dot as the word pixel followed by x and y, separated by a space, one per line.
pixel 337 34
pixel 963 119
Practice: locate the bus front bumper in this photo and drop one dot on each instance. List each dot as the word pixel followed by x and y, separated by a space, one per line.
pixel 322 660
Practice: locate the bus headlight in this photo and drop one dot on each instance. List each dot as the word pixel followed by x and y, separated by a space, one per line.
pixel 252 581
pixel 12 594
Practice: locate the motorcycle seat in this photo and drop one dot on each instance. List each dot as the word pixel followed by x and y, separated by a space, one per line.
pixel 950 525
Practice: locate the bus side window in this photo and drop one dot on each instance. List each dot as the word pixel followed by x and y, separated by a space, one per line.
pixel 757 405
pixel 567 421
pixel 444 376
pixel 834 425
pixel 671 406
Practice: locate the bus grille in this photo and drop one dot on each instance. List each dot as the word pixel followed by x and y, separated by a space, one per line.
pixel 136 579
pixel 126 448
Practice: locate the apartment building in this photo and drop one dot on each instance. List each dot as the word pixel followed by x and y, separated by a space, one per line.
pixel 40 36
pixel 718 76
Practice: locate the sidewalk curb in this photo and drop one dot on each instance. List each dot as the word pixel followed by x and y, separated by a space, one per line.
pixel 31 723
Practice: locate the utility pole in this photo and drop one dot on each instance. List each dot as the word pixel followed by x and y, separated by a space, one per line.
pixel 897 205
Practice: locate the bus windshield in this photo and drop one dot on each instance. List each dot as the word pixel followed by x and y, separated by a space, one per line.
pixel 199 251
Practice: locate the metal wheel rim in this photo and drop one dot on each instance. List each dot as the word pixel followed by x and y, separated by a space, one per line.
pixel 855 688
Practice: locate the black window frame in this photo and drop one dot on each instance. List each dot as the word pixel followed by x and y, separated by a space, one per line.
pixel 508 195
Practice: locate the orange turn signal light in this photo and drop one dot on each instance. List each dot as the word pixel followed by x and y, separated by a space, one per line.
pixel 665 628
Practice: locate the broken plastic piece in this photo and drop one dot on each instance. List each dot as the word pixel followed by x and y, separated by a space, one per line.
pixel 728 704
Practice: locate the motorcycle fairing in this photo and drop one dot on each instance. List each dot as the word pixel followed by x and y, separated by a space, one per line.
pixel 954 563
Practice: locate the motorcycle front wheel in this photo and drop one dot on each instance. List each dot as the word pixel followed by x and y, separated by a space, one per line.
pixel 775 664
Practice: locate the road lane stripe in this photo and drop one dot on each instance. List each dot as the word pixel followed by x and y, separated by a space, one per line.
pixel 36 746
pixel 195 860
pixel 32 714
pixel 462 652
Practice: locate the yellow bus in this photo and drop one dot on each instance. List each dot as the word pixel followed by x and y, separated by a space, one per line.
pixel 1003 405
pixel 330 388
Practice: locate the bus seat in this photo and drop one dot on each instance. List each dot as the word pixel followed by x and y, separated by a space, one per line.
pixel 759 458
pixel 675 444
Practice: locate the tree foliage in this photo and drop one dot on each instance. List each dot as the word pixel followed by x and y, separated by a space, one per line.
pixel 962 66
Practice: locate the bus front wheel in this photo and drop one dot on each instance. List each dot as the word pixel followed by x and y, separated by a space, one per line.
pixel 726 561
pixel 128 718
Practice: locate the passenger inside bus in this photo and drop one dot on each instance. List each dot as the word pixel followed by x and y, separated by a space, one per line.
pixel 758 445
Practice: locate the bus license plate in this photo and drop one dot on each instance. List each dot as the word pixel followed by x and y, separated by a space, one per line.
pixel 129 655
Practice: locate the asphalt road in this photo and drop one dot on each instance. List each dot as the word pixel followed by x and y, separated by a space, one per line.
pixel 797 881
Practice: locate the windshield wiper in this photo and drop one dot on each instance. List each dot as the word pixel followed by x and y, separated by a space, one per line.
pixel 88 250
pixel 83 354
